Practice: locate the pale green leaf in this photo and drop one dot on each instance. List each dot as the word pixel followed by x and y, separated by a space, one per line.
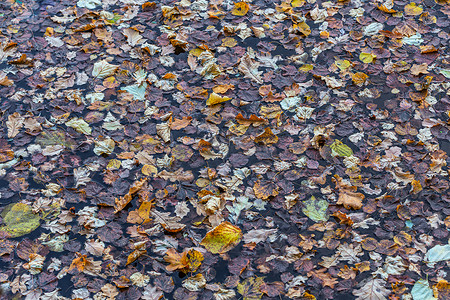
pixel 422 291
pixel 79 125
pixel 438 253
pixel 138 91
pixel 316 209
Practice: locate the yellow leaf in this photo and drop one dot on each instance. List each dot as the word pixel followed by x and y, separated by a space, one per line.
pixel 148 170
pixel 305 68
pixel 367 58
pixel 297 3
pixel 303 28
pixel 19 220
pixel 216 99
pixel 413 10
pixel 113 164
pixel 240 9
pixel 250 288
pixel 228 42
pixel 359 78
pixel 194 260
pixel 342 64
pixel 222 238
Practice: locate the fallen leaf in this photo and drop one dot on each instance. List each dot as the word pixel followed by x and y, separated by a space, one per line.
pixel 222 238
pixel 240 9
pixel 265 189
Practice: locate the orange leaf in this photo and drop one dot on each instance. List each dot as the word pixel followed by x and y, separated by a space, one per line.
pixel 240 9
pixel 177 261
pixel 178 124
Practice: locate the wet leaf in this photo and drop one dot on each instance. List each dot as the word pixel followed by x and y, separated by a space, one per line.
pixel 438 253
pixel 19 220
pixel 216 99
pixel 316 209
pixel 250 288
pixel 340 149
pixel 422 291
pixel 222 238
pixel 240 9
pixel 265 189
pixel 103 69
pixel 367 58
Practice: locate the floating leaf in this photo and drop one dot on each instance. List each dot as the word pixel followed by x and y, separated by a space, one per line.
pixel 316 209
pixel 222 238
pixel 79 125
pixel 265 189
pixel 194 283
pixel 367 58
pixel 250 288
pixel 359 78
pixel 445 72
pixel 240 9
pixel 340 149
pixel 438 253
pixel 138 91
pixel 343 64
pixel 372 289
pixel 216 99
pixel 412 9
pixel 105 146
pixel 422 291
pixel 267 137
pixel 19 220
pixel 415 40
pixel 103 69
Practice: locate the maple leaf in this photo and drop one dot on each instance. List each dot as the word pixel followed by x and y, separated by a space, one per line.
pixel 250 288
pixel 222 238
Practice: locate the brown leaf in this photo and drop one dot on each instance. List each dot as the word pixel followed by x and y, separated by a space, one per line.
pixel 267 137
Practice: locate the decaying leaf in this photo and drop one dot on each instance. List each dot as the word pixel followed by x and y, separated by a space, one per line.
pixel 316 209
pixel 250 288
pixel 265 189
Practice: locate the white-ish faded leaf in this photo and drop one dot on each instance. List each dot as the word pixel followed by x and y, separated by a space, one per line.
pixel 14 123
pixel 104 147
pixel 79 125
pixel 249 68
pixel 138 91
pixel 103 69
pixel 163 130
pixel 438 253
pixel 81 176
pixel 258 235
pixel 422 291
pixel 372 289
